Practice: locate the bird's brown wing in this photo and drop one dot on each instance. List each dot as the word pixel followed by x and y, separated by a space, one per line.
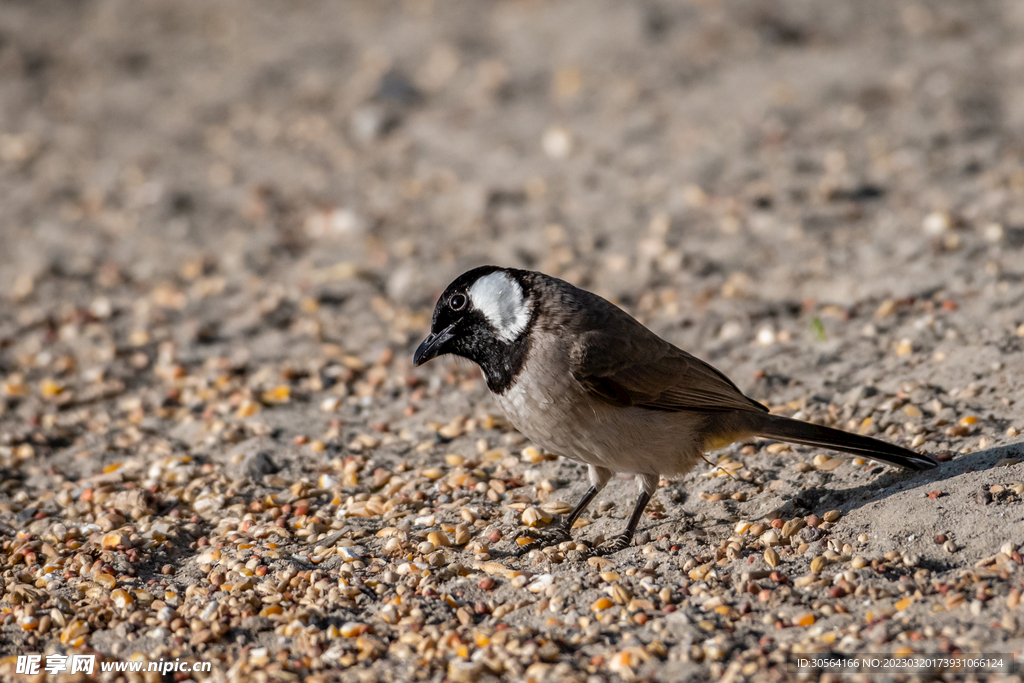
pixel 641 369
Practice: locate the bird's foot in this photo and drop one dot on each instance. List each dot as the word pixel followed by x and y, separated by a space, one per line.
pixel 620 542
pixel 544 538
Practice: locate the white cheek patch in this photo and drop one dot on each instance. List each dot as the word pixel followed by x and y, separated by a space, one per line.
pixel 500 299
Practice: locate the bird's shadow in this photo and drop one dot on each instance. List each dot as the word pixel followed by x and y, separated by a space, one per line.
pixel 893 481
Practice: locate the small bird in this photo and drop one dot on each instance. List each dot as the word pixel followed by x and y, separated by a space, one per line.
pixel 585 380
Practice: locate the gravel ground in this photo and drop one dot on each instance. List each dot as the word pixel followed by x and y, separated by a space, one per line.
pixel 224 227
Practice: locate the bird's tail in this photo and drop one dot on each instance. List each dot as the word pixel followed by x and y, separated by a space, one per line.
pixel 809 434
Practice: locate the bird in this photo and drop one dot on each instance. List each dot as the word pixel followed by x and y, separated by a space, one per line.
pixel 583 379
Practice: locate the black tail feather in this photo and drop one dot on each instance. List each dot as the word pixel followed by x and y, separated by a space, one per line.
pixel 809 434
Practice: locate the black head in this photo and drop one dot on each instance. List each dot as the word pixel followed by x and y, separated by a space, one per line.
pixel 485 316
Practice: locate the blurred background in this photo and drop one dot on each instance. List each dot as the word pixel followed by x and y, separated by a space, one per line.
pixel 285 174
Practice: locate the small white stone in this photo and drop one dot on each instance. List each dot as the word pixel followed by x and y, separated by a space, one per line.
pixel 101 308
pixel 209 612
pixel 541 583
pixel 937 223
pixel 730 330
pixel 994 232
pixel 208 502
pixel 557 143
pixel 348 554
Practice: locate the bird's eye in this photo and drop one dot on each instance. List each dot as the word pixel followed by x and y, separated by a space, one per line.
pixel 457 302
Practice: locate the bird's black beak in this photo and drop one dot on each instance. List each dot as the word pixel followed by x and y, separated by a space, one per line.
pixel 431 346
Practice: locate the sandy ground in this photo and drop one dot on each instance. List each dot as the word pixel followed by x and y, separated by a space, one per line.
pixel 224 227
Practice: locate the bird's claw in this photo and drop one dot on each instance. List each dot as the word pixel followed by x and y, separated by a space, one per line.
pixel 621 542
pixel 544 539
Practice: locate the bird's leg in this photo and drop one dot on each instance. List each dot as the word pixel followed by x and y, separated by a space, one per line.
pixel 648 484
pixel 562 531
